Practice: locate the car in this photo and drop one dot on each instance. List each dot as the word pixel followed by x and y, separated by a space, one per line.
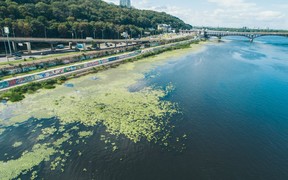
pixel 89 38
pixel 60 46
pixel 17 58
pixel 18 54
pixel 31 57
pixel 43 53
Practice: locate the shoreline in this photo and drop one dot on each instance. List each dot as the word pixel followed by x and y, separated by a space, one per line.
pixel 143 66
pixel 17 92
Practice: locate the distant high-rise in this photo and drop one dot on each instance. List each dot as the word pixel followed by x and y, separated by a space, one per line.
pixel 125 3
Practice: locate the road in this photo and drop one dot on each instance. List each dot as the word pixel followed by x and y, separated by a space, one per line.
pixel 47 51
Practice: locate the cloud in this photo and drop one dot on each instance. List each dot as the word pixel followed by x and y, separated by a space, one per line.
pixel 239 4
pixel 230 13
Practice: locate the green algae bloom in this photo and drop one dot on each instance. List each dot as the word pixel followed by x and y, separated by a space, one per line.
pixel 109 102
pixel 2 131
pixel 84 134
pixel 13 168
pixel 17 144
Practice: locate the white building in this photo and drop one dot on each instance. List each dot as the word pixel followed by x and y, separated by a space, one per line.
pixel 125 3
pixel 164 28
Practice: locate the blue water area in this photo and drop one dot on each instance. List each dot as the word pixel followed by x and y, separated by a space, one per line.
pixel 233 99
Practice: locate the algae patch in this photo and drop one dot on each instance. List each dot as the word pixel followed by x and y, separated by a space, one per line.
pixel 13 168
pixel 84 134
pixel 17 144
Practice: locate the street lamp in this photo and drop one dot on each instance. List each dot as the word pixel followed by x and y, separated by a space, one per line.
pixel 82 34
pixel 4 43
pixel 94 33
pixel 6 30
pixel 102 33
pixel 72 34
pixel 45 32
pixel 13 31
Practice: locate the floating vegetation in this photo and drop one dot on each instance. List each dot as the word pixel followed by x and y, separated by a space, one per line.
pixel 84 134
pixel 13 168
pixel 107 102
pixel 2 131
pixel 46 132
pixel 34 175
pixel 17 144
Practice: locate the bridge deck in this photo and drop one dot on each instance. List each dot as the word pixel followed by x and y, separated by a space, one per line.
pixel 63 40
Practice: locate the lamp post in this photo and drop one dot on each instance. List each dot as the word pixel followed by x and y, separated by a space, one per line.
pixel 14 32
pixel 6 30
pixel 102 33
pixel 81 34
pixel 94 33
pixel 5 45
pixel 45 32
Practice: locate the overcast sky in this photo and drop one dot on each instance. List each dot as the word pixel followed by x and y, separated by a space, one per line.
pixel 228 13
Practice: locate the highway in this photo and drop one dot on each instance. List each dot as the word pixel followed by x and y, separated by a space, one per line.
pixel 65 40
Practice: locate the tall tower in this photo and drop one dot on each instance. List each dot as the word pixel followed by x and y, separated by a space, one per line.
pixel 125 3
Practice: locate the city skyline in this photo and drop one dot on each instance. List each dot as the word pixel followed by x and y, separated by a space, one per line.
pixel 224 13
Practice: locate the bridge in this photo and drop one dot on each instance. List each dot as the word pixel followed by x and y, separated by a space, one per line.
pixel 250 35
pixel 28 41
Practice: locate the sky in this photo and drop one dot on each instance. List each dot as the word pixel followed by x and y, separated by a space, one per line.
pixel 271 14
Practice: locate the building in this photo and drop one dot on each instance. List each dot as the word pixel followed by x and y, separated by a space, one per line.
pixel 125 3
pixel 164 28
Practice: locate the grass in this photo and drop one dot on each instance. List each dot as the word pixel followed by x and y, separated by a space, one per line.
pixel 17 93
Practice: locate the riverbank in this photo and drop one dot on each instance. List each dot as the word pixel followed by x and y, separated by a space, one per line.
pixel 17 93
pixel 120 75
pixel 62 116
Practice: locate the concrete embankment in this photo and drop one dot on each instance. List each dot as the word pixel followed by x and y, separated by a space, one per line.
pixel 80 67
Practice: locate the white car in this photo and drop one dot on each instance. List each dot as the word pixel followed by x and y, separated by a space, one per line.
pixel 17 58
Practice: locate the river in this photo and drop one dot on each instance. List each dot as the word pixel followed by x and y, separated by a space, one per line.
pixel 231 120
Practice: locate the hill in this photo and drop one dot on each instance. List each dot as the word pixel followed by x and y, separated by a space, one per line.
pixel 78 18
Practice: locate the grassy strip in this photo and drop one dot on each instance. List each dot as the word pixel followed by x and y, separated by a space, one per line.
pixel 18 93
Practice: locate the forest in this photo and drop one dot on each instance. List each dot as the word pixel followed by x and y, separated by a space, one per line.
pixel 79 19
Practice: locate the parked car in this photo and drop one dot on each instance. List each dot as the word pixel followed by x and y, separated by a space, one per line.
pixel 89 38
pixel 60 46
pixel 43 53
pixel 18 54
pixel 17 58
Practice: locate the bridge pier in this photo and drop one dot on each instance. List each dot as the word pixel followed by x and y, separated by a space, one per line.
pixel 84 47
pixel 14 46
pixel 52 47
pixel 70 45
pixel 29 47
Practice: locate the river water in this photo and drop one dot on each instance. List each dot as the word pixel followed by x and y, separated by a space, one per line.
pixel 233 121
